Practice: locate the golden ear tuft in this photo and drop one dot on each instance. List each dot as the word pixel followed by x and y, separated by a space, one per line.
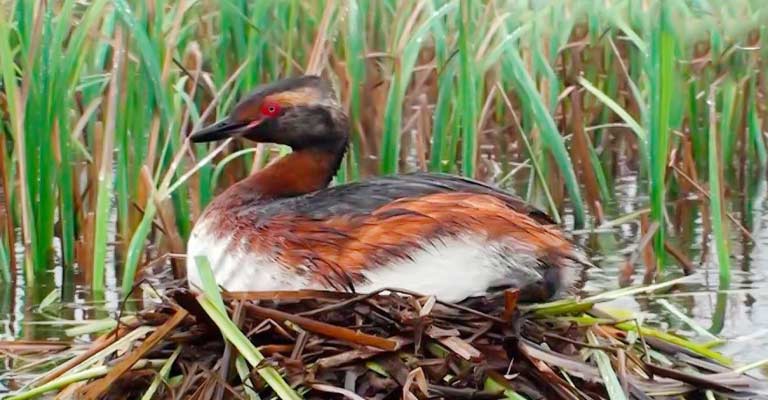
pixel 298 97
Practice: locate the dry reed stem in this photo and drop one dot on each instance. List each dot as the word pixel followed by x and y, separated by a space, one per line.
pixel 97 388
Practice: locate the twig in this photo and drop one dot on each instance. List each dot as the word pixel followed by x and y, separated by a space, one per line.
pixel 96 389
pixel 322 328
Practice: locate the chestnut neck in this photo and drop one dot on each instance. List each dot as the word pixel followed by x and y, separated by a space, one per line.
pixel 303 171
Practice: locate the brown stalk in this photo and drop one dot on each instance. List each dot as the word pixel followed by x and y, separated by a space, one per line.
pixel 684 214
pixel 511 296
pixel 423 132
pixel 85 248
pixel 96 389
pixel 32 346
pixel 582 143
pixel 10 232
pixel 580 150
pixel 193 67
pixel 706 194
pixel 647 231
pixel 175 242
pixel 322 328
pixel 461 348
pixel 306 294
pixel 678 255
pixel 98 345
pixel 347 357
pixel 318 53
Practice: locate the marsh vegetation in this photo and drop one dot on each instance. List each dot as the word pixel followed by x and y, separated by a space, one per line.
pixel 640 125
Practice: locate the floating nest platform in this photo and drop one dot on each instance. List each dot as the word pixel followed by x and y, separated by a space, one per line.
pixel 328 345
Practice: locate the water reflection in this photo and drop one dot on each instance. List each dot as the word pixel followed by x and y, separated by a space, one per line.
pixel 737 312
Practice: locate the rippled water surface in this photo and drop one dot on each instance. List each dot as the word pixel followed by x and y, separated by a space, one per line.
pixel 738 312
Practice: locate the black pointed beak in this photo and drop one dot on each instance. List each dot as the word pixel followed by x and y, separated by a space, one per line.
pixel 220 130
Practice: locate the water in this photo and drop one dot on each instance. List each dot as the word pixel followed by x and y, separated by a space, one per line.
pixel 737 313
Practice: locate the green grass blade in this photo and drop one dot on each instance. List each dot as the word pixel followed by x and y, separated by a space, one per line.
pixel 233 334
pixel 104 194
pixel 615 107
pixel 162 375
pixel 755 132
pixel 610 380
pixel 716 194
pixel 148 57
pixel 15 110
pixel 136 246
pixel 245 375
pixel 687 320
pixel 390 149
pixel 662 90
pixel 467 96
pixel 5 264
pixel 210 288
pixel 550 134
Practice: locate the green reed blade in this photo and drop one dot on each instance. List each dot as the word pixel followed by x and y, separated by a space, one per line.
pixel 104 194
pixel 440 159
pixel 148 57
pixel 15 110
pixel 442 116
pixel 493 56
pixel 680 315
pixel 136 246
pixel 208 279
pixel 717 216
pixel 5 264
pixel 123 146
pixel 390 149
pixel 550 134
pixel 354 51
pixel 619 110
pixel 492 386
pixel 36 58
pixel 245 375
pixel 662 88
pixel 753 121
pixel 607 373
pixel 467 96
pixel 72 64
pixel 162 375
pixel 727 111
pixel 537 170
pixel 617 20
pixel 234 335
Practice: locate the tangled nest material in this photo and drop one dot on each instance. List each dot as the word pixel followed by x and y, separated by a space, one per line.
pixel 389 346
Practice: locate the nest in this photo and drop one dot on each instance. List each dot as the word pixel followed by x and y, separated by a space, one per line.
pixel 392 345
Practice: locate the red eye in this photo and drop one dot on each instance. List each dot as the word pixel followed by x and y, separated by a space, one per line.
pixel 270 109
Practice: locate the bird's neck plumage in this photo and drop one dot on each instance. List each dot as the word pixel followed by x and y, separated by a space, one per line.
pixel 303 171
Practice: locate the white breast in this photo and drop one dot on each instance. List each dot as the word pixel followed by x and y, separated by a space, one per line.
pixel 454 269
pixel 236 270
pixel 451 269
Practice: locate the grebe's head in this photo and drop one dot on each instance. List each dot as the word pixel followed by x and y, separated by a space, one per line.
pixel 299 112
